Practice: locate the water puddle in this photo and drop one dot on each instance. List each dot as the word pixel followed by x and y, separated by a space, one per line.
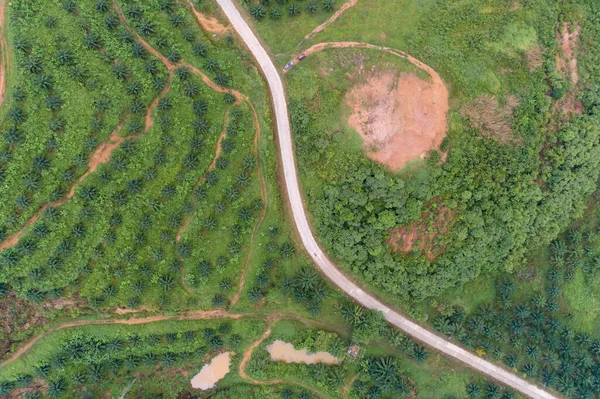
pixel 212 372
pixel 282 351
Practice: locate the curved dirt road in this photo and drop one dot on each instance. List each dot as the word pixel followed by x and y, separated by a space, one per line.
pixel 308 240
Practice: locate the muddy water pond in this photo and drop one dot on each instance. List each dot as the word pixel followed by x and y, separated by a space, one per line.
pixel 212 372
pixel 284 352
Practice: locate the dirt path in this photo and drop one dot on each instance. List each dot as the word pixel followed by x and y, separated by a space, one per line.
pixel 263 213
pixel 211 314
pixel 248 355
pixel 207 23
pixel 188 220
pixel 101 155
pixel 5 59
pixel 336 15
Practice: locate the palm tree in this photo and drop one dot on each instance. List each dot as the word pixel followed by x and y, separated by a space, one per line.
pixel 146 27
pixel 201 125
pixel 199 50
pixel 173 55
pixel 33 64
pixel 473 390
pixel 293 10
pixel 255 295
pixel 275 13
pixel 258 12
pixel 91 41
pixel 191 89
pixel 18 115
pixel 328 5
pixel 102 5
pixel 111 22
pixel 54 103
pixel 221 79
pixel 64 57
pixel 312 8
pixel 492 391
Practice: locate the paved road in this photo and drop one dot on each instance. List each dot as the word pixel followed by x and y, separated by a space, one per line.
pixel 308 240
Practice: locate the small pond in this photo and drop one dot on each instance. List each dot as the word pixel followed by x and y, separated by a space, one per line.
pixel 212 372
pixel 282 351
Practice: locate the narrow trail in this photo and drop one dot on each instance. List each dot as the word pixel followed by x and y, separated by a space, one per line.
pixel 211 314
pixel 248 355
pixel 100 156
pixel 239 98
pixel 209 24
pixel 263 213
pixel 188 220
pixel 336 15
pixel 5 58
pixel 437 79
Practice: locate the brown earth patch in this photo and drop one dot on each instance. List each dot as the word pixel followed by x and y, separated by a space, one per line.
pixel 207 23
pixel 535 58
pixel 422 233
pixel 490 118
pixel 566 63
pixel 400 117
pixel 18 315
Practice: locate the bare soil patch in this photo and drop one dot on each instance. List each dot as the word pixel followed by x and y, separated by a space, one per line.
pixel 423 233
pixel 492 119
pixel 209 24
pixel 566 63
pixel 18 314
pixel 400 118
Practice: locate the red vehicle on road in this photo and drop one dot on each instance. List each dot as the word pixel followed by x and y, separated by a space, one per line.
pixel 301 57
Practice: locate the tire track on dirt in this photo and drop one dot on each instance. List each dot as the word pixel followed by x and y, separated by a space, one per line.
pixel 336 15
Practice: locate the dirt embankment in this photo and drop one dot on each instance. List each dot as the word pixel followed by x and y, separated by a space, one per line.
pixel 207 23
pixel 566 63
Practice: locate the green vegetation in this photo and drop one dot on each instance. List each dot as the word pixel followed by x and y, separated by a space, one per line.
pixel 504 196
pixel 92 360
pixel 283 23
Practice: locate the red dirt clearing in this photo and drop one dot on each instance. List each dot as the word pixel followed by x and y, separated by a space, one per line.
pixel 399 118
pixel 398 122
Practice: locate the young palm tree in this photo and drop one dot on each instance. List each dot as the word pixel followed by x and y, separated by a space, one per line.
pixel 293 10
pixel 258 12
pixel 328 5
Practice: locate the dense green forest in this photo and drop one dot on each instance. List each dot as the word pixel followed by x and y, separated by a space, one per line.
pixel 506 198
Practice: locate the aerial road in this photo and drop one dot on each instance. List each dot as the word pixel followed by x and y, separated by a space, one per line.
pixel 286 149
